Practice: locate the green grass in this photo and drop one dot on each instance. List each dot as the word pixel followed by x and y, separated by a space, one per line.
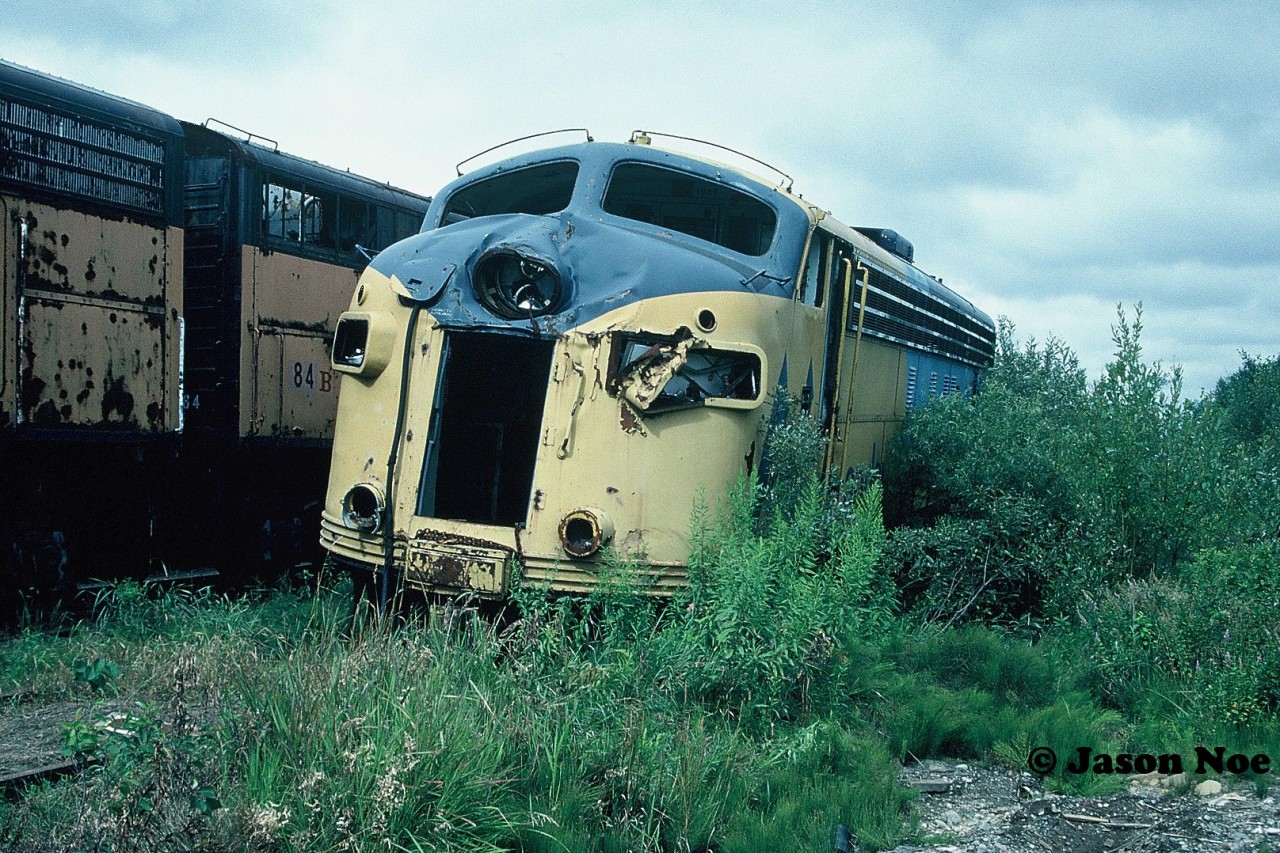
pixel 771 702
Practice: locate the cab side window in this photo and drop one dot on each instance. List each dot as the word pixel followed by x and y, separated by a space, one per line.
pixel 816 270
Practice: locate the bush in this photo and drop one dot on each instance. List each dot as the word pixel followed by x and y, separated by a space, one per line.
pixel 779 589
pixel 1042 488
pixel 1249 400
pixel 1204 645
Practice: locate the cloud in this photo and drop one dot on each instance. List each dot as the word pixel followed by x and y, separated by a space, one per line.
pixel 1047 160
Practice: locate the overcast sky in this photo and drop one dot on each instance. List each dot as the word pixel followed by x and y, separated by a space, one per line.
pixel 1049 160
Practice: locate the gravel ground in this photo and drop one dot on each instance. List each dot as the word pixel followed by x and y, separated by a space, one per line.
pixel 967 809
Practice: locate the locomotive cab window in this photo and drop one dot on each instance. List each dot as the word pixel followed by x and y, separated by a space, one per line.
pixel 816 270
pixel 537 190
pixel 691 205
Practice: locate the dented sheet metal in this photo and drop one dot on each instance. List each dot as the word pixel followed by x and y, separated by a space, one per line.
pixel 644 379
pixel 602 260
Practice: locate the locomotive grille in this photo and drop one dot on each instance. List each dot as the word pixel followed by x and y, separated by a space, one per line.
pixel 59 152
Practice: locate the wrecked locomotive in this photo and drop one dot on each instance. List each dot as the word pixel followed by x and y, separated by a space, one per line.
pixel 585 339
pixel 168 299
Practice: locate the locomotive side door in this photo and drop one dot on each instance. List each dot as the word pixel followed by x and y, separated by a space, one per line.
pixel 836 367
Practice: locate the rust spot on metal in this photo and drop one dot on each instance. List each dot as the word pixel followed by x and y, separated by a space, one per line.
pixel 630 423
pixel 630 419
pixel 117 400
pixel 448 571
pixel 442 538
pixel 46 414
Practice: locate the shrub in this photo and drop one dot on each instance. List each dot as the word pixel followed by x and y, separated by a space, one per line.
pixel 1204 645
pixel 779 588
pixel 1066 488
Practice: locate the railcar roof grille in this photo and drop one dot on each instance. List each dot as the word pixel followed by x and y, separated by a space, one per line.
pixel 51 149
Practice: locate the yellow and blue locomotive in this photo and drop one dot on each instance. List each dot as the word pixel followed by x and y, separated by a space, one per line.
pixel 586 339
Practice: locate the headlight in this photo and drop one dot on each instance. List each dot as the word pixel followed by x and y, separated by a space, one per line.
pixel 513 286
pixel 362 508
pixel 585 531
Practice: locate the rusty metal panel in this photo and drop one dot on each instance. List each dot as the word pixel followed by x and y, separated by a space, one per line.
pixel 100 322
pixel 93 363
pixel 289 308
pixel 295 385
pixel 443 565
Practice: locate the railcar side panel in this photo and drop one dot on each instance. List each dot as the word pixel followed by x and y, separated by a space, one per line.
pixel 99 314
pixel 289 307
pixel 876 402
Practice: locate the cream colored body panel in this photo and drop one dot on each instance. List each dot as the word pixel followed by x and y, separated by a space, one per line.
pixel 100 306
pixel 289 306
pixel 876 405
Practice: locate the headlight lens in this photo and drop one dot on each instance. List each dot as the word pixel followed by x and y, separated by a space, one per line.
pixel 513 286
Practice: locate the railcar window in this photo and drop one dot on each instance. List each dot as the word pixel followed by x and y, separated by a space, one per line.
pixel 394 225
pixel 815 270
pixel 356 225
pixel 691 205
pixel 539 190
pixel 282 212
pixel 299 216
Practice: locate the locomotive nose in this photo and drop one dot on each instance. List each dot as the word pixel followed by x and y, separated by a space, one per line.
pixel 507 266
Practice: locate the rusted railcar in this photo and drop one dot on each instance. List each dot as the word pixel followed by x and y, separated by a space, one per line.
pixel 584 340
pixel 167 302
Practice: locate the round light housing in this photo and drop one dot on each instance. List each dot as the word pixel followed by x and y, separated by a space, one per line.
pixel 362 508
pixel 513 286
pixel 585 531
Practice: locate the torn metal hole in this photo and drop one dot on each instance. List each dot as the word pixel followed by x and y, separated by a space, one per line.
pixel 666 375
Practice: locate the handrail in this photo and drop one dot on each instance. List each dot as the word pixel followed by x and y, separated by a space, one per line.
pixel 522 139
pixel 249 135
pixel 642 137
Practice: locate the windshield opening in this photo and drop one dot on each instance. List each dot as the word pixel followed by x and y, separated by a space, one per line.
pixel 691 205
pixel 539 190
